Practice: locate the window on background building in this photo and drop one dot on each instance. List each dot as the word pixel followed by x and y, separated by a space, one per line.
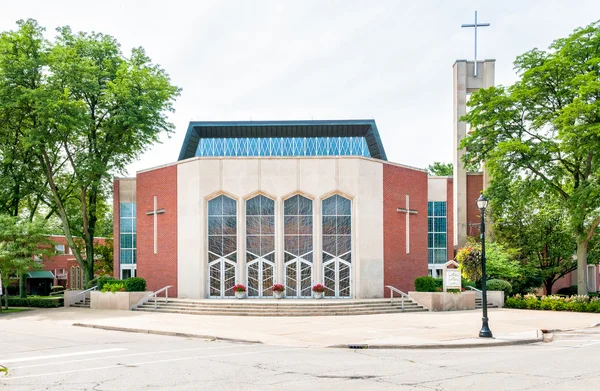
pixel 128 236
pixel 260 246
pixel 284 146
pixel 222 246
pixel 59 249
pixel 436 232
pixel 337 246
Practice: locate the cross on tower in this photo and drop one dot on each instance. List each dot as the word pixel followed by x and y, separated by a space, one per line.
pixel 475 25
pixel 408 212
pixel 155 212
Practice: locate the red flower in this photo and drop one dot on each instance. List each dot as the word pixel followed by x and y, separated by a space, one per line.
pixel 239 288
pixel 318 288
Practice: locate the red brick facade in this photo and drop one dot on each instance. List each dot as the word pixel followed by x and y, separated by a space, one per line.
pixel 474 187
pixel 400 268
pixel 159 269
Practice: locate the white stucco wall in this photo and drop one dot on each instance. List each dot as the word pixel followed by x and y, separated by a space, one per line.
pixel 360 179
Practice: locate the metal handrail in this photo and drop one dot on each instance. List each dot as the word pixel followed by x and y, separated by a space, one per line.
pixel 88 290
pixel 165 289
pixel 398 291
pixel 473 289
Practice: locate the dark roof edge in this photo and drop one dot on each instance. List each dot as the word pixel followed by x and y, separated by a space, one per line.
pixel 188 148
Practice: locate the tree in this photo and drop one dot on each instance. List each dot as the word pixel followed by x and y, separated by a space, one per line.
pixel 86 111
pixel 104 258
pixel 500 261
pixel 21 241
pixel 546 129
pixel 440 169
pixel 537 225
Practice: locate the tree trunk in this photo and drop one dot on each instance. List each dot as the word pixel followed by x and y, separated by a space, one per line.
pixel 88 272
pixel 23 286
pixel 6 299
pixel 582 288
pixel 548 284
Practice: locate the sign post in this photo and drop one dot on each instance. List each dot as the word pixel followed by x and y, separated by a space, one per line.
pixel 451 277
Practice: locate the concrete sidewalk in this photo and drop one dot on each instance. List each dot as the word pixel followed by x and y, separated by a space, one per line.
pixel 404 330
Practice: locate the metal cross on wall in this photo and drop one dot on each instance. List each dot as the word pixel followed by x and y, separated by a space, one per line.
pixel 408 212
pixel 475 25
pixel 155 212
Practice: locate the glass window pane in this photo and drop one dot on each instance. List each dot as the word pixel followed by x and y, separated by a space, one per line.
pixel 343 225
pixel 343 244
pixel 215 244
pixel 430 240
pixel 344 206
pixel 304 206
pixel 430 208
pixel 126 241
pixel 329 225
pixel 291 225
pixel 440 240
pixel 304 244
pixel 440 225
pixel 215 225
pixel 229 244
pixel 215 206
pixel 305 225
pixel 291 244
pixel 126 209
pixel 126 225
pixel 440 209
pixel 290 206
pixel 253 206
pixel 267 224
pixel 126 257
pixel 329 207
pixel 229 225
pixel 229 207
pixel 267 244
pixel 329 244
pixel 267 206
pixel 253 244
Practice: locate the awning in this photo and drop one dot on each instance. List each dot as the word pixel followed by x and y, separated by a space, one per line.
pixel 40 274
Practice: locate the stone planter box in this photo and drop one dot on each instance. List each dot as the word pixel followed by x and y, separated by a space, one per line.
pixel 117 301
pixel 444 301
pixel 494 297
pixel 72 297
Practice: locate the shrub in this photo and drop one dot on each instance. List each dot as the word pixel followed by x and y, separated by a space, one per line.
pixel 91 283
pixel 499 285
pixel 57 288
pixel 115 286
pixel 103 280
pixel 135 284
pixel 35 302
pixel 426 284
pixel 568 291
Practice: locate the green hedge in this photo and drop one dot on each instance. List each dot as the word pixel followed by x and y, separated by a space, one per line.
pixel 114 286
pixel 103 280
pixel 38 302
pixel 135 284
pixel 499 285
pixel 554 303
pixel 428 284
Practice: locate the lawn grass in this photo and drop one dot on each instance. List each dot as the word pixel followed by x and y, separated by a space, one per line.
pixel 11 310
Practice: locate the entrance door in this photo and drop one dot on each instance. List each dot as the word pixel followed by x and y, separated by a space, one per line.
pixel 221 278
pixel 298 278
pixel 336 277
pixel 260 274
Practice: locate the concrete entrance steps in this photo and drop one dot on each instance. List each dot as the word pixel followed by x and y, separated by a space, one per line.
pixel 479 304
pixel 82 304
pixel 283 307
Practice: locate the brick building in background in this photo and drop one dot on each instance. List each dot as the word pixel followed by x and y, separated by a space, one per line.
pixel 290 202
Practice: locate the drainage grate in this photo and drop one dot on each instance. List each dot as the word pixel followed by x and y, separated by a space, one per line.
pixel 358 346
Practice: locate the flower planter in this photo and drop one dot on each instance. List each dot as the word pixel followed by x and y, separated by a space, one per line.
pixel 318 295
pixel 278 294
pixel 239 295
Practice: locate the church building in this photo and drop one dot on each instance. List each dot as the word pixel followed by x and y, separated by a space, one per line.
pixel 290 202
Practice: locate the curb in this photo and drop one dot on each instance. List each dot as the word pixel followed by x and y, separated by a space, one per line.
pixel 167 333
pixel 539 338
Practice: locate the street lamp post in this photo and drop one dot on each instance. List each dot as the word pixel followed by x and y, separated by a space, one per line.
pixel 485 331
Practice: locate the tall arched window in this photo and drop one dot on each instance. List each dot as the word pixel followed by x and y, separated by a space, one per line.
pixel 298 246
pixel 337 249
pixel 260 246
pixel 222 246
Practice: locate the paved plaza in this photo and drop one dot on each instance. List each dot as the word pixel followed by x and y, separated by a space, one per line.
pixel 44 352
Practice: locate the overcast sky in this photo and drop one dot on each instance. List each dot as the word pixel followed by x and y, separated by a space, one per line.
pixel 316 59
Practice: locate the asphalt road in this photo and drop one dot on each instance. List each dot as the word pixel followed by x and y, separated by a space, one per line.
pixel 72 358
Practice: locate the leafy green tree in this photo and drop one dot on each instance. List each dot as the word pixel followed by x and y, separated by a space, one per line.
pixel 440 169
pixel 21 242
pixel 86 111
pixel 104 258
pixel 500 261
pixel 546 129
pixel 537 225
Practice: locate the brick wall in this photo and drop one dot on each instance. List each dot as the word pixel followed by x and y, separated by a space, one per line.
pixel 116 228
pixel 400 268
pixel 474 187
pixel 450 218
pixel 159 269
